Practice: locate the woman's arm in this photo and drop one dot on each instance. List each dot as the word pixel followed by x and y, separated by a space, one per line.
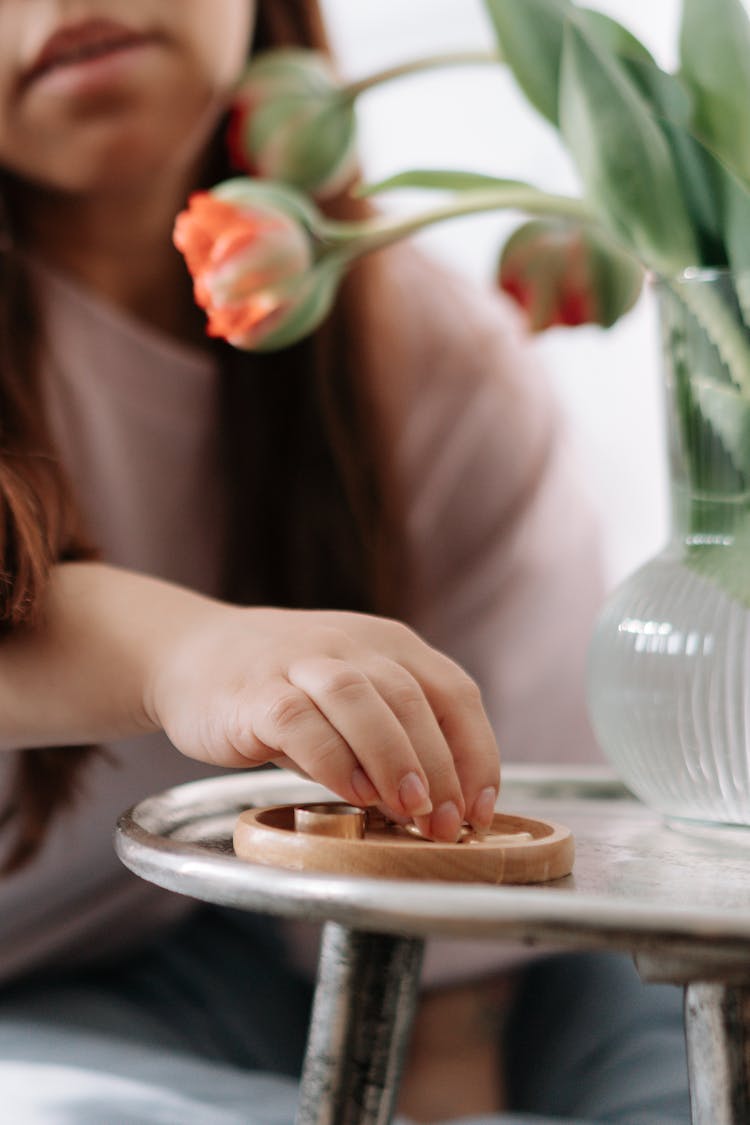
pixel 79 676
pixel 359 703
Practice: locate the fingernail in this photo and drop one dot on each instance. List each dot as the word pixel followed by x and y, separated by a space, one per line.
pixel 446 822
pixel 366 792
pixel 414 796
pixel 484 809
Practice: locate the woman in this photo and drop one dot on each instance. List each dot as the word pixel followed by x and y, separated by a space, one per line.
pixel 207 551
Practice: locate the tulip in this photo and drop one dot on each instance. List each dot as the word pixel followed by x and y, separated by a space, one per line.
pixel 293 122
pixel 250 249
pixel 565 274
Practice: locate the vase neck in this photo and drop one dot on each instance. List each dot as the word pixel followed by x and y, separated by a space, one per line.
pixel 706 364
pixel 705 519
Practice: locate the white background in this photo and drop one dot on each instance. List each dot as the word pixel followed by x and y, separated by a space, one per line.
pixel 475 118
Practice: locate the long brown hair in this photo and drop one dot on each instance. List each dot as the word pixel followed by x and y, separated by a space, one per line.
pixel 302 472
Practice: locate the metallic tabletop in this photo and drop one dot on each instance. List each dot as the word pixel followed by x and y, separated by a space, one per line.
pixel 638 884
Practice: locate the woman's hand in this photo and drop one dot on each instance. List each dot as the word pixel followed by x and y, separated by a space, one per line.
pixel 358 703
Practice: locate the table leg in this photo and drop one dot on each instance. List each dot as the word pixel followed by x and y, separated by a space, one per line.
pixel 362 1015
pixel 717 1023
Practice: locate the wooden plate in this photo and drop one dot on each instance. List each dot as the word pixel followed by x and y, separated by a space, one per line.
pixel 268 836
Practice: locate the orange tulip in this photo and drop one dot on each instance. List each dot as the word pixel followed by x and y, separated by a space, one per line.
pixel 249 261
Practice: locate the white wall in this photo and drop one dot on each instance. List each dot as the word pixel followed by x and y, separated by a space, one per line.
pixel 475 118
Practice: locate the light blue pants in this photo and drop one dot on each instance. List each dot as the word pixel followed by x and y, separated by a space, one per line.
pixel 207 1029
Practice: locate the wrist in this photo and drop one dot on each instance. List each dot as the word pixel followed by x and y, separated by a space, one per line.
pixel 177 620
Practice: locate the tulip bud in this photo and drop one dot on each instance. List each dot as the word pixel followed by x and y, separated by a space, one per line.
pixel 564 274
pixel 292 123
pixel 250 250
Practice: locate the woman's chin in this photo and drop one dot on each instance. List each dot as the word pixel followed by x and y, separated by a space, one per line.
pixel 132 161
pixel 129 143
pixel 102 178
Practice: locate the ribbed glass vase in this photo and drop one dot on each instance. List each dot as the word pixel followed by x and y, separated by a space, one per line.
pixel 669 664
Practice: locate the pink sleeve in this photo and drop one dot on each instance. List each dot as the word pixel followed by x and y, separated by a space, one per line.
pixel 504 544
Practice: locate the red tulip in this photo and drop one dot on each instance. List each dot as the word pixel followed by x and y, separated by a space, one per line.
pixel 291 123
pixel 564 274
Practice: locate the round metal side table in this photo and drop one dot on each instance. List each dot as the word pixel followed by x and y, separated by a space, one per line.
pixel 678 901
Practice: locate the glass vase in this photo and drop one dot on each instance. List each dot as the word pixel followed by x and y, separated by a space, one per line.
pixel 669 663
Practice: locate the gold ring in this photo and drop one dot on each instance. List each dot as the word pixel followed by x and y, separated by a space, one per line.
pixel 346 822
pixel 466 833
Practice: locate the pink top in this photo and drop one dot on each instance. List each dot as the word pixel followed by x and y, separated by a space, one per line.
pixel 498 525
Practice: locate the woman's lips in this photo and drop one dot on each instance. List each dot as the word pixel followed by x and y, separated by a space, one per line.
pixel 83 42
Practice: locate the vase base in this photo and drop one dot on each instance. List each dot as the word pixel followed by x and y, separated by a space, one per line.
pixel 736 834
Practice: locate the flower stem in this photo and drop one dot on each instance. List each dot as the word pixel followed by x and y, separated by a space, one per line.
pixel 356 239
pixel 433 62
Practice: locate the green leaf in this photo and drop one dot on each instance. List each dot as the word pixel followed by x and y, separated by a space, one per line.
pixel 612 36
pixel 672 105
pixel 715 55
pixel 666 94
pixel 530 35
pixel 719 205
pixel 718 201
pixel 623 156
pixel 701 178
pixel 447 180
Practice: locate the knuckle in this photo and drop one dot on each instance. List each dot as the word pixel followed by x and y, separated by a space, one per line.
pixel 286 710
pixel 457 687
pixel 405 696
pixel 402 632
pixel 467 692
pixel 345 683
